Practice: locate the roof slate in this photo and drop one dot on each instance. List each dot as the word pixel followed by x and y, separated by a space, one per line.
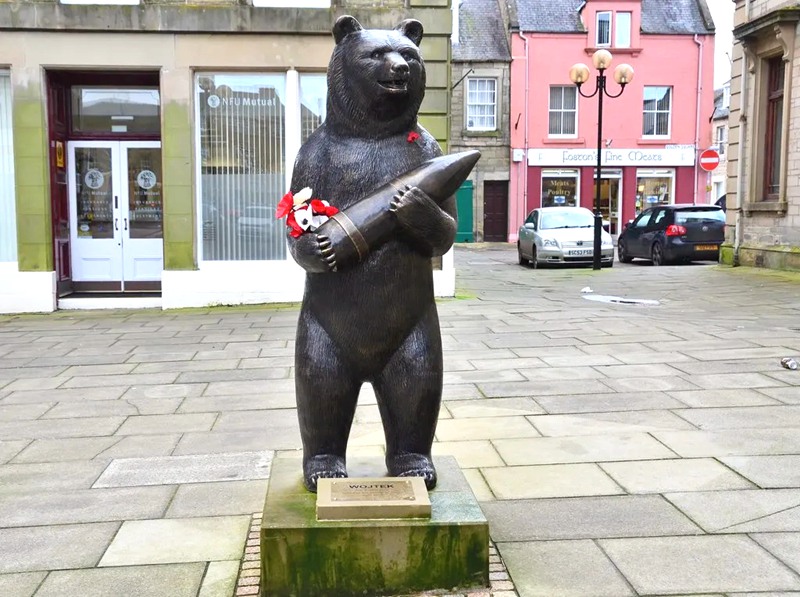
pixel 670 17
pixel 481 33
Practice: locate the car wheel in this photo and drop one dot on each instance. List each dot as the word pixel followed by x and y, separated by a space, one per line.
pixel 657 254
pixel 522 260
pixel 622 251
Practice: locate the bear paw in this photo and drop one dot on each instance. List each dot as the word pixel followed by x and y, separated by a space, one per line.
pixel 323 466
pixel 412 465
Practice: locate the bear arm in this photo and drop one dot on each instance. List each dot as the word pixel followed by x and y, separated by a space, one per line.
pixel 426 226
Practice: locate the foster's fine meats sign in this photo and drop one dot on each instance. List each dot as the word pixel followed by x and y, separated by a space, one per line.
pixel 652 158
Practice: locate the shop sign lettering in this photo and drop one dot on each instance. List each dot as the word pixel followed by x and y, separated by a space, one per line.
pixel 611 157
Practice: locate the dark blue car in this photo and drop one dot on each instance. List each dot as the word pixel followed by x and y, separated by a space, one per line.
pixel 674 233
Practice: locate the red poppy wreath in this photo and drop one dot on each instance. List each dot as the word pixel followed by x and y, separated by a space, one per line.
pixel 302 213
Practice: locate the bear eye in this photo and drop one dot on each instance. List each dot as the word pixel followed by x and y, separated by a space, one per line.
pixel 375 55
pixel 408 55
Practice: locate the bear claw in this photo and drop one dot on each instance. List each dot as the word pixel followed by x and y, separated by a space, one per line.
pixel 323 466
pixel 413 465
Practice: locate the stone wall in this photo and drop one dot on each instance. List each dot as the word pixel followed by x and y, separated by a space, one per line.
pixel 494 146
pixel 769 234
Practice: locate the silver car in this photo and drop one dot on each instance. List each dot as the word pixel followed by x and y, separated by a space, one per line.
pixel 561 235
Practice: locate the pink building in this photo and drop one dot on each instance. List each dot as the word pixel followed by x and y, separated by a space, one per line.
pixel 651 133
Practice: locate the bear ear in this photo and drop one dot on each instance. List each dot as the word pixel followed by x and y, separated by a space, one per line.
pixel 345 25
pixel 412 29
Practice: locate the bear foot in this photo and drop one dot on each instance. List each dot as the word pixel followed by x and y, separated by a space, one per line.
pixel 323 466
pixel 412 465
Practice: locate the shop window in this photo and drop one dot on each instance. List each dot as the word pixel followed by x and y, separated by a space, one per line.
pixel 776 70
pixel 313 103
pixel 481 104
pixel 8 222
pixel 603 34
pixel 654 187
pixel 119 110
pixel 623 30
pixel 559 188
pixel 563 111
pixel 657 111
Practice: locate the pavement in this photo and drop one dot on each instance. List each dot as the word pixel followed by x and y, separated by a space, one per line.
pixel 618 448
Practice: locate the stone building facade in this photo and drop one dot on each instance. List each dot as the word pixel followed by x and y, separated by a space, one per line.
pixel 763 195
pixel 719 140
pixel 480 110
pixel 144 145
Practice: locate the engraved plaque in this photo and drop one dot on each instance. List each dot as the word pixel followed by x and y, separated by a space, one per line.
pixel 367 498
pixel 344 490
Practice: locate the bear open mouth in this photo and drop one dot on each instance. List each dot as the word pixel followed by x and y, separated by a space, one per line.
pixel 394 84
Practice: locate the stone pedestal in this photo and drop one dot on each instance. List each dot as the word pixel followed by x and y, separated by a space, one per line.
pixel 302 556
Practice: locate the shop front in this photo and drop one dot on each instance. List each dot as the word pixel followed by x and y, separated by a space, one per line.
pixel 151 177
pixel 631 180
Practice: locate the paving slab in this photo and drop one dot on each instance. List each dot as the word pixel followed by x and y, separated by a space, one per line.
pixel 724 511
pixel 549 481
pixel 160 424
pixel 183 580
pixel 140 446
pixel 64 450
pixel 738 442
pixel 678 475
pixel 470 454
pixel 21 412
pixel 83 505
pixel 269 400
pixel 484 428
pixel 216 442
pixel 22 584
pixel 609 422
pixel 158 391
pixel 492 407
pixel 584 448
pixel 563 568
pixel 218 499
pixel 9 449
pixel 169 470
pixel 668 565
pixel 726 397
pixel 768 417
pixel 784 546
pixel 53 547
pixel 585 518
pixel 48 476
pixel 65 395
pixel 607 402
pixel 177 540
pixel 768 471
pixel 220 579
pixel 40 429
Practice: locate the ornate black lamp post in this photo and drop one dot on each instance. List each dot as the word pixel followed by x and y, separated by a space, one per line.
pixel 579 74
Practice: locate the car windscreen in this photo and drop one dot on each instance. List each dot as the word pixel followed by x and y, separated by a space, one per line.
pixel 693 216
pixel 567 219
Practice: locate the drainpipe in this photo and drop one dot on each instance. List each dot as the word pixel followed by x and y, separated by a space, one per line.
pixel 525 159
pixel 697 110
pixel 738 230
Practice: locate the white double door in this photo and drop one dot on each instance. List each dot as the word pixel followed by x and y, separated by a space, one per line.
pixel 116 209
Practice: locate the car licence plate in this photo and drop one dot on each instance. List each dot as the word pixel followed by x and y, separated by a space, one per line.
pixel 706 247
pixel 577 252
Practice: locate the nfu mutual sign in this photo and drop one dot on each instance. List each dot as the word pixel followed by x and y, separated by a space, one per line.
pixel 652 158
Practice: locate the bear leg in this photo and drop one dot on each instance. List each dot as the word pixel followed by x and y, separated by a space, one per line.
pixel 409 393
pixel 327 393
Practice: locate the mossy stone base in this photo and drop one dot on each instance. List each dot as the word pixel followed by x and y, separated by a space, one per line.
pixel 301 556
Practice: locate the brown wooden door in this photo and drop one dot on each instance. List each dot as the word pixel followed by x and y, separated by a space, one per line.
pixel 495 211
pixel 57 109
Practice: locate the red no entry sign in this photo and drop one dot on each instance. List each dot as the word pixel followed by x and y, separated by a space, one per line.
pixel 709 160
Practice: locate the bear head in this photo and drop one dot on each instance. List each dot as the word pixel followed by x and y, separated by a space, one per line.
pixel 376 79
